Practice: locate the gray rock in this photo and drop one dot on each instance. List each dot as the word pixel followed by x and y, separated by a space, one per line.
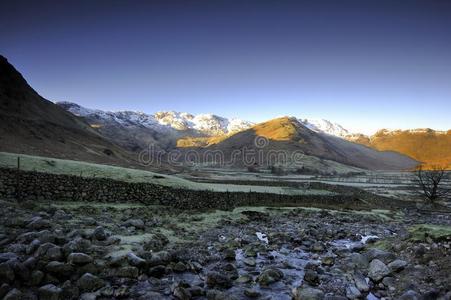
pixel 229 254
pixel 181 293
pixel 318 247
pixel 6 272
pixel 410 295
pixel 196 291
pixel 397 265
pixel 30 263
pixel 88 296
pixel 33 246
pixel 251 293
pixel 307 293
pixel 157 243
pixel 360 282
pixel 7 256
pixel 59 268
pixel 269 276
pixel 17 248
pixel 137 223
pixel 388 281
pixel 89 283
pixel 179 267
pixel 352 292
pixel 13 294
pixel 382 255
pixel 135 260
pixel 38 223
pixel 357 260
pixel 311 277
pixel 4 288
pixel 78 258
pixel 328 260
pixel 49 252
pixel 49 292
pixel 36 277
pixel 250 261
pixel 157 271
pixel 127 272
pixel 215 279
pixel 78 244
pixel 377 270
pixel 70 291
pixel 99 233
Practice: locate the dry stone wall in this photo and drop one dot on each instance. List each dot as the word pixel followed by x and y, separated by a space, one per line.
pixel 22 185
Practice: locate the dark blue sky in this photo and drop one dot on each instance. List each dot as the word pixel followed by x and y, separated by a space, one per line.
pixel 364 64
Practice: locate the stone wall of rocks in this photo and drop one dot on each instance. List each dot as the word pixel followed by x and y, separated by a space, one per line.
pixel 15 184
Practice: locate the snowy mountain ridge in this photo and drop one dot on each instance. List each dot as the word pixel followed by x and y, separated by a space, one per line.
pixel 208 124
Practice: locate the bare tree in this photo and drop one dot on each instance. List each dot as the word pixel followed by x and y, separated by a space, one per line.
pixel 431 184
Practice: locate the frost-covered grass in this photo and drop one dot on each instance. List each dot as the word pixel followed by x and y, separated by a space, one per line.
pixel 78 168
pixel 71 167
pixel 437 232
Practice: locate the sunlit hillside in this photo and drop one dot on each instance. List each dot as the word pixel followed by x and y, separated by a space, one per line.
pixel 425 145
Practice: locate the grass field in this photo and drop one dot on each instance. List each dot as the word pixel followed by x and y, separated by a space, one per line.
pixel 70 167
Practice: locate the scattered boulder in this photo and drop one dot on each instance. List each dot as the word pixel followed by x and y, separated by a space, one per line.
pixel 181 293
pixel 157 271
pixel 49 292
pixel 89 283
pixel 311 277
pixel 127 272
pixel 229 254
pixel 307 293
pixel 99 234
pixel 49 252
pixel 78 258
pixel 352 292
pixel 13 294
pixel 38 223
pixel 59 268
pixel 251 293
pixel 360 283
pixel 397 265
pixel 377 270
pixel 6 272
pixel 135 260
pixel 250 261
pixel 137 223
pixel 269 276
pixel 36 277
pixel 382 255
pixel 215 279
pixel 410 295
pixel 7 256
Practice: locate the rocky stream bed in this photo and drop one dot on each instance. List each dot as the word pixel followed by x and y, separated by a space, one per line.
pixel 129 251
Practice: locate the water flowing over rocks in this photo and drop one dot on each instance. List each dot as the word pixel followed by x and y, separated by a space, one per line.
pixel 132 251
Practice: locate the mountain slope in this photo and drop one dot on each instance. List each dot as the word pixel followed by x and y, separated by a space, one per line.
pixel 289 135
pixel 425 145
pixel 136 130
pixel 30 124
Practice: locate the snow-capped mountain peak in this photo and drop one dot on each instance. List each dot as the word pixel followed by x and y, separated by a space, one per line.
pixel 325 126
pixel 208 124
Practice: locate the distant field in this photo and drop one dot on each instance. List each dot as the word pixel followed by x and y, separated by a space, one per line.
pixel 399 185
pixel 70 167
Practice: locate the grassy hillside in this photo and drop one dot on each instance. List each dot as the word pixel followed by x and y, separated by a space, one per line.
pixel 70 167
pixel 428 146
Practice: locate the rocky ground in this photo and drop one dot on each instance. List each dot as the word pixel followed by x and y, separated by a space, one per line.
pixel 128 251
